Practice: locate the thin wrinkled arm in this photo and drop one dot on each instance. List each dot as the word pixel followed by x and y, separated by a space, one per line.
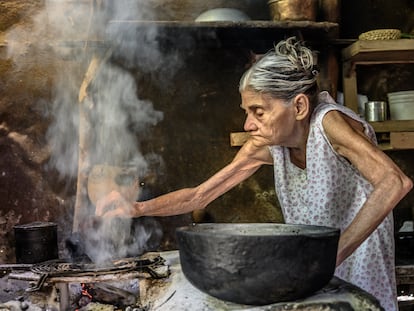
pixel 247 162
pixel 389 182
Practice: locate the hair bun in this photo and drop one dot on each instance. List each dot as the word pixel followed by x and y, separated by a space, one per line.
pixel 297 53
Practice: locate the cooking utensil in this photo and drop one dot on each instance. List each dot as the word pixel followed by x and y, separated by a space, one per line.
pixel 293 10
pixel 36 242
pixel 222 14
pixel 401 105
pixel 257 264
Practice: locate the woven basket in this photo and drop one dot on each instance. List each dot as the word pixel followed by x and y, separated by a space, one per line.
pixel 381 34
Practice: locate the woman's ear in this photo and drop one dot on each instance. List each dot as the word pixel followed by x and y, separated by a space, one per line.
pixel 301 105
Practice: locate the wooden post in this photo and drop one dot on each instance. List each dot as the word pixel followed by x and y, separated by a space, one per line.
pixel 84 164
pixel 350 87
pixel 330 10
pixel 329 71
pixel 85 136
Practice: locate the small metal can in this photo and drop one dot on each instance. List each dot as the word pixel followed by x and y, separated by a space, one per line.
pixel 376 111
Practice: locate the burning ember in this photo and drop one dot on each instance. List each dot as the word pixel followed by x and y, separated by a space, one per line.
pixel 105 294
pixel 86 295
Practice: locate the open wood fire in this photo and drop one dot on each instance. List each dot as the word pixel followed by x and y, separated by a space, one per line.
pixel 59 285
pixel 109 295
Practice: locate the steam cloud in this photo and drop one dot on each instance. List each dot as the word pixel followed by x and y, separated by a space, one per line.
pixel 74 31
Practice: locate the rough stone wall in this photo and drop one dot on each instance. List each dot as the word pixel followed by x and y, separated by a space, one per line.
pixel 28 191
pixel 193 139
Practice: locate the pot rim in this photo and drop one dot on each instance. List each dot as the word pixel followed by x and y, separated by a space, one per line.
pixel 230 229
pixel 35 225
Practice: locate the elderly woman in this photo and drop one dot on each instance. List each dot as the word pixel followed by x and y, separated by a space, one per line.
pixel 328 169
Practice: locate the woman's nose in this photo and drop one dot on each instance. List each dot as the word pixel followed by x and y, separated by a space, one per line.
pixel 249 124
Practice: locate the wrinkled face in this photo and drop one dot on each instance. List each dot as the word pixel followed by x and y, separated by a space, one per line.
pixel 269 121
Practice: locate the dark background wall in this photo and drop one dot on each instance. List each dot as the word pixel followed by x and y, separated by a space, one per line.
pixel 361 16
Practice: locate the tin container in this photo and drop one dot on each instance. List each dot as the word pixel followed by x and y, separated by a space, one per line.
pixel 376 111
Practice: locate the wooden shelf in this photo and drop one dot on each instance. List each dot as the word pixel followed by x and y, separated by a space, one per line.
pixel 257 35
pixel 398 134
pixel 260 34
pixel 393 126
pixel 404 274
pixel 326 29
pixel 380 51
pixel 373 52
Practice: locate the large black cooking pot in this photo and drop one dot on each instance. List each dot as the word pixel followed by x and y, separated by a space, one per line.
pixel 258 264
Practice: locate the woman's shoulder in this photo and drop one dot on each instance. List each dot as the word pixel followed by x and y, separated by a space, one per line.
pixel 337 112
pixel 327 104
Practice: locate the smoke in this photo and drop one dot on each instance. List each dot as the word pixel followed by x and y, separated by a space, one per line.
pixel 73 32
pixel 119 238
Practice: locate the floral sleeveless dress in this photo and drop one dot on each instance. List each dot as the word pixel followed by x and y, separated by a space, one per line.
pixel 330 192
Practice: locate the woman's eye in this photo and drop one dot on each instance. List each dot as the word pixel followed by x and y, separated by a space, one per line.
pixel 259 112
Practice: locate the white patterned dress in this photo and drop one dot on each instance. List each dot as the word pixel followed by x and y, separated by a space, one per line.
pixel 330 192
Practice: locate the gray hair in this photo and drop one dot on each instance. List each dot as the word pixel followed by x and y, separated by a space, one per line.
pixel 283 72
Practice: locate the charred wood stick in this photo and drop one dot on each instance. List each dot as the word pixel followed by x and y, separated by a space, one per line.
pixel 84 163
pixel 105 277
pixel 16 266
pixel 107 293
pixel 8 268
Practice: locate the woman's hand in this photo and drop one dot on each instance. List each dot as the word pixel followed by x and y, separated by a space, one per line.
pixel 115 205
